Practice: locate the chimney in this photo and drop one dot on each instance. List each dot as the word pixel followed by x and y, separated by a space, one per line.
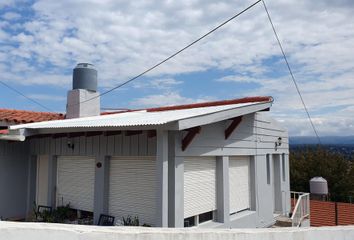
pixel 84 88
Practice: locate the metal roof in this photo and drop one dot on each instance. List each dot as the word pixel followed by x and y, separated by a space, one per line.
pixel 148 118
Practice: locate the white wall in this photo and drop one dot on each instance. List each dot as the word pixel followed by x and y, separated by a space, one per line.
pixel 36 231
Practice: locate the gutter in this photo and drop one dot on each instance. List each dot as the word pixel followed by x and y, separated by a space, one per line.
pixel 13 135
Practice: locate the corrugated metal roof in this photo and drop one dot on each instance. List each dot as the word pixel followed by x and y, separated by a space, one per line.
pixel 133 118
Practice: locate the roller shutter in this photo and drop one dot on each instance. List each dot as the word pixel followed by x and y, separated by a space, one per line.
pixel 239 174
pixel 75 182
pixel 132 188
pixel 199 185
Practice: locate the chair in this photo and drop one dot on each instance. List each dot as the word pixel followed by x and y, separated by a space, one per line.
pixel 106 220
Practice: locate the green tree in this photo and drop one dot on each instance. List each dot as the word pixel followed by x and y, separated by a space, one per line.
pixel 306 163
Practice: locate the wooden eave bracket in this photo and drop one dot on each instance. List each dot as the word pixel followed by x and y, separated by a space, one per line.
pixel 192 132
pixel 231 128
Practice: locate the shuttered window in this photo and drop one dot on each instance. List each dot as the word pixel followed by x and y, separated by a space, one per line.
pixel 75 182
pixel 199 186
pixel 132 188
pixel 239 174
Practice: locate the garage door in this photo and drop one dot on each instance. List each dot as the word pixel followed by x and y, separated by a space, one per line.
pixel 132 188
pixel 239 184
pixel 75 182
pixel 199 186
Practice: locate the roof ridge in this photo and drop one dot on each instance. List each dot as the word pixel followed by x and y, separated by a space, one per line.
pixel 213 103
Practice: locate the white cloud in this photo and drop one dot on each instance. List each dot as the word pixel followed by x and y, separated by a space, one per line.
pixel 47 97
pixel 158 83
pixel 167 99
pixel 11 16
pixel 125 38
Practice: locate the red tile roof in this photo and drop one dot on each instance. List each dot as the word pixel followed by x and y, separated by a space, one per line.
pixel 199 105
pixel 21 116
pixel 211 104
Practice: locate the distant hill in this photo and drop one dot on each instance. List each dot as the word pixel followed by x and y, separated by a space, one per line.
pixel 329 140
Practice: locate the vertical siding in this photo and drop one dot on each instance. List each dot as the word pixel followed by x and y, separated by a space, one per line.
pixel 115 145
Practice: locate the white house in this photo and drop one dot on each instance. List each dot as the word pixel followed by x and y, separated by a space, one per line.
pixel 217 164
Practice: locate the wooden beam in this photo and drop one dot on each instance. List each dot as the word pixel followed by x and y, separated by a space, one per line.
pixel 111 133
pixel 60 135
pixel 76 134
pixel 94 133
pixel 189 137
pixel 229 130
pixel 132 133
pixel 151 133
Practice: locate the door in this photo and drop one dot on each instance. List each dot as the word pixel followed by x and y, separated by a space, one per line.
pixel 75 182
pixel 199 185
pixel 132 188
pixel 240 192
pixel 42 180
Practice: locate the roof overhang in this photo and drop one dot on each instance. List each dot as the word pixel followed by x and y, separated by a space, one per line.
pixel 143 120
pixel 13 135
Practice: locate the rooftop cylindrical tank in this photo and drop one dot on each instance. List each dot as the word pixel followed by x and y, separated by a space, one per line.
pixel 85 77
pixel 318 185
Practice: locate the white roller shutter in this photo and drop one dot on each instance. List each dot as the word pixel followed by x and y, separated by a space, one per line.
pixel 75 182
pixel 239 183
pixel 132 188
pixel 199 185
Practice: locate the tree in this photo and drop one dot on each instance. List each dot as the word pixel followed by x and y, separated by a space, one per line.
pixel 306 163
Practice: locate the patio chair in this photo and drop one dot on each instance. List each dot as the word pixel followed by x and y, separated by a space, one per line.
pixel 106 220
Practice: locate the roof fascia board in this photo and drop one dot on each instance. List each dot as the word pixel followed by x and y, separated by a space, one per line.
pixel 221 116
pixel 95 129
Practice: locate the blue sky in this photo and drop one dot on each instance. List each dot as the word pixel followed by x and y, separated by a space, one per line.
pixel 42 40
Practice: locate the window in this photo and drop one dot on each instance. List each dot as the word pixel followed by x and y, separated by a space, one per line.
pixel 205 217
pixel 283 165
pixel 189 222
pixel 268 169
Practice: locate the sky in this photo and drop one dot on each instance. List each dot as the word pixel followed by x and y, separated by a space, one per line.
pixel 41 41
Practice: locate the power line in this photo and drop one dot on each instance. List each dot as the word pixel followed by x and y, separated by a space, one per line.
pixel 23 95
pixel 173 55
pixel 291 72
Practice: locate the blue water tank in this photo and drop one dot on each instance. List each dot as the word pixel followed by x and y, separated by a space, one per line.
pixel 85 77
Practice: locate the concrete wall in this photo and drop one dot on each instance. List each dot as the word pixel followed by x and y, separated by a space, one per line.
pixel 13 179
pixel 29 231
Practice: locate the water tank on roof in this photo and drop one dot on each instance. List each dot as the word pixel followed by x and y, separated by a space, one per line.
pixel 85 77
pixel 318 185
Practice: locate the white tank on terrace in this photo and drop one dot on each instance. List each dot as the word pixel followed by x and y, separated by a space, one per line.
pixel 318 185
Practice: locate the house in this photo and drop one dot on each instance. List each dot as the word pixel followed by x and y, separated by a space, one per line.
pixel 14 161
pixel 220 164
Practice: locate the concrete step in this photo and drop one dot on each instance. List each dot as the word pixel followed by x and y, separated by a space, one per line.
pixel 282 221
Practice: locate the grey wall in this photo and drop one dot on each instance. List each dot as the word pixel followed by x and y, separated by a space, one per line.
pixel 13 179
pixel 255 136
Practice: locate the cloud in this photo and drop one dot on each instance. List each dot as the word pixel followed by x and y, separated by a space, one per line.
pixel 166 99
pixel 11 16
pixel 125 38
pixel 47 97
pixel 158 83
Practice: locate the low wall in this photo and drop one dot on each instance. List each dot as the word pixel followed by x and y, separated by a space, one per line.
pixel 325 213
pixel 43 231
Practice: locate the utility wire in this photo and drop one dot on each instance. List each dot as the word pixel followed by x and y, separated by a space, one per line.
pixel 23 95
pixel 173 55
pixel 291 72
